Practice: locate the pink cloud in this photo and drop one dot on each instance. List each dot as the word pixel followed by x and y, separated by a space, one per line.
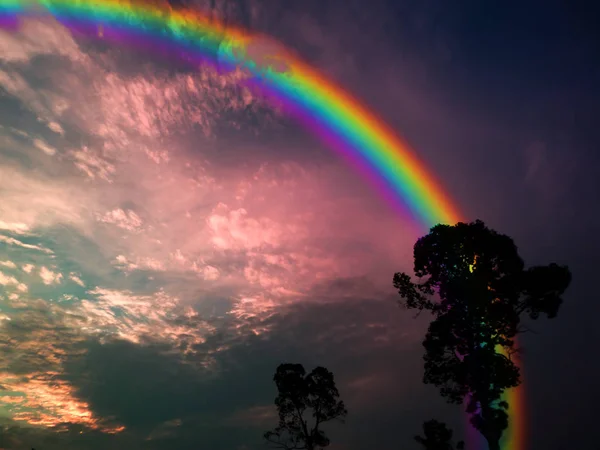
pixel 38 37
pixel 268 234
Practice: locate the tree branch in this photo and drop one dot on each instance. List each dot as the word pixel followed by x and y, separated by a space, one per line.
pixel 303 423
pixel 521 307
pixel 317 419
pixel 282 445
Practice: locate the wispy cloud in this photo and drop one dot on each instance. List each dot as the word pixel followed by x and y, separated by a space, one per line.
pixel 38 37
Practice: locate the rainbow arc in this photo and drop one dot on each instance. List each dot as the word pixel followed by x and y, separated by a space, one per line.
pixel 350 129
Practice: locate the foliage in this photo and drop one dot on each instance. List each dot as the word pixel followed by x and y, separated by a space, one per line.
pixel 473 281
pixel 437 437
pixel 300 395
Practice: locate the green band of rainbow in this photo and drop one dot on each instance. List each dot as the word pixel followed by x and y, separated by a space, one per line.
pixel 358 134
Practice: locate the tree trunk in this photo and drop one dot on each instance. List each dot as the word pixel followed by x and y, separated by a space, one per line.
pixel 493 444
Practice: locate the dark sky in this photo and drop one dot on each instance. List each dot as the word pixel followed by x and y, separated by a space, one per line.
pixel 167 238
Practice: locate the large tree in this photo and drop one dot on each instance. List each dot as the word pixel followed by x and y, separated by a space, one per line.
pixel 474 282
pixel 301 396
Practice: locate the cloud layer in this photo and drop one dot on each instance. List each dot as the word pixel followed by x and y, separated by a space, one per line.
pixel 126 236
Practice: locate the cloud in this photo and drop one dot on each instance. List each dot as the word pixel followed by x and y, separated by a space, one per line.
pixel 75 278
pixel 38 37
pixel 7 280
pixel 50 277
pixel 18 228
pixel 43 400
pixel 9 264
pixel 43 146
pixel 18 243
pixel 142 318
pixel 56 127
pixel 166 429
pixel 37 340
pixel 39 103
pixel 163 261
pixel 33 200
pixel 93 165
pixel 257 416
pixel 128 220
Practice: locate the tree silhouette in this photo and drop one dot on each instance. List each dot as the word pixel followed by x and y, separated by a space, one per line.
pixel 299 393
pixel 437 437
pixel 473 281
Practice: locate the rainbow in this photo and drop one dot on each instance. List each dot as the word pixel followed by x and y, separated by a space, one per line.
pixel 349 128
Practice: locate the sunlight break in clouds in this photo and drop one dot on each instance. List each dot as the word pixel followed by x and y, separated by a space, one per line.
pixel 36 340
pixel 138 318
pixel 43 399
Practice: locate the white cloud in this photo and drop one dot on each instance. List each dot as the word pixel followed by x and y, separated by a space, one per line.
pixel 31 199
pixel 141 317
pixel 140 263
pixel 38 36
pixel 18 228
pixel 125 219
pixel 210 273
pixel 43 146
pixel 56 127
pixel 8 280
pixel 46 105
pixel 76 279
pixel 93 165
pixel 9 264
pixel 50 277
pixel 13 241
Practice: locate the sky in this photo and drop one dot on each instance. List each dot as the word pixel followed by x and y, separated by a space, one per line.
pixel 168 237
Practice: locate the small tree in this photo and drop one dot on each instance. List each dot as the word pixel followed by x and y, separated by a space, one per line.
pixel 475 285
pixel 437 437
pixel 299 393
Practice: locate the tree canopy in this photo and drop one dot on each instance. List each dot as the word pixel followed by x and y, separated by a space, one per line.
pixel 301 396
pixel 475 284
pixel 437 437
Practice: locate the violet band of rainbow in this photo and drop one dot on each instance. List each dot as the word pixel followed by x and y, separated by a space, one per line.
pixel 349 128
